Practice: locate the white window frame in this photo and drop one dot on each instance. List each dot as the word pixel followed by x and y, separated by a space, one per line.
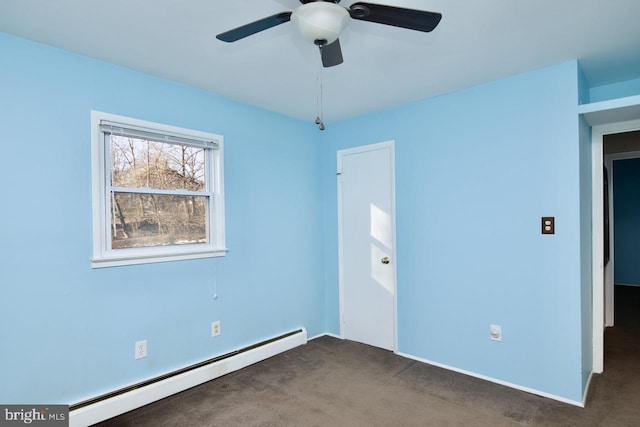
pixel 103 255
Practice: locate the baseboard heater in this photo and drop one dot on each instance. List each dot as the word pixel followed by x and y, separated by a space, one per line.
pixel 118 402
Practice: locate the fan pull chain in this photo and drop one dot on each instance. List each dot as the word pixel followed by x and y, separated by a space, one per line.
pixel 319 118
pixel 215 278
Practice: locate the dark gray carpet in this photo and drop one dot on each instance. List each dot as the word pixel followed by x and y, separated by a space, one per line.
pixel 330 382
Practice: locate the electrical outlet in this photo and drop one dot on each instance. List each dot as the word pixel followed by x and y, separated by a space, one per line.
pixel 495 332
pixel 215 328
pixel 141 349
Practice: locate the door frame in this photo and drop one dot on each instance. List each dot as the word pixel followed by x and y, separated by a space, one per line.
pixel 388 145
pixel 602 310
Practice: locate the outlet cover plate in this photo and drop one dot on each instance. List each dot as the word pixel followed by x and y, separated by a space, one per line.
pixel 495 332
pixel 141 349
pixel 215 328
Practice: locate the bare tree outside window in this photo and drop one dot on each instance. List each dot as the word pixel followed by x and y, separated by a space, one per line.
pixel 154 193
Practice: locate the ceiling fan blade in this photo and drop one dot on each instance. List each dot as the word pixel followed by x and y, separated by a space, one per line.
pixel 254 27
pixel 331 54
pixel 419 20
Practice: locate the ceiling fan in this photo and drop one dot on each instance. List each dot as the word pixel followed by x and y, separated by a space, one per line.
pixel 322 21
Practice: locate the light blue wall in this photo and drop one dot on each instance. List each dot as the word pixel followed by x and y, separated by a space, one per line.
pixel 615 90
pixel 626 214
pixel 68 331
pixel 584 92
pixel 475 172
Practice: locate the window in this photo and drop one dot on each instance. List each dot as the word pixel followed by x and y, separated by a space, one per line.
pixel 157 192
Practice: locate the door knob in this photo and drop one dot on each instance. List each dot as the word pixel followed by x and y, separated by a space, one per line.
pixel 385 260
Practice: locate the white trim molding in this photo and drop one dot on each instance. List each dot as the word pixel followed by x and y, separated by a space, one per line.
pixel 496 381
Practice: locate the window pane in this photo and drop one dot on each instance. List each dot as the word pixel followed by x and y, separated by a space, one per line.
pixel 144 220
pixel 138 163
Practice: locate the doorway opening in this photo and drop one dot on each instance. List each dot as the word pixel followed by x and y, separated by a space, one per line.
pixel 603 273
pixel 622 173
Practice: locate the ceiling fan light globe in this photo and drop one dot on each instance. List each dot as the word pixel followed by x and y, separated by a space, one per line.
pixel 320 21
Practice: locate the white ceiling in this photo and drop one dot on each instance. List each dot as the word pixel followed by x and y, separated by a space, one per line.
pixel 476 42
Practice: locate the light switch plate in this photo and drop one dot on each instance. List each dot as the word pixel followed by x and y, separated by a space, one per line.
pixel 548 225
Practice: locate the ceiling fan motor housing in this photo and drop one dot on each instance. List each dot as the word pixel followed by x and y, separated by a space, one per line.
pixel 317 21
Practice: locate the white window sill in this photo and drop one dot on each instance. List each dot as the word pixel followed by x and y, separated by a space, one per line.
pixel 116 261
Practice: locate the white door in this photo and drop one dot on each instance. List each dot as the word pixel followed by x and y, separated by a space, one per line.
pixel 366 239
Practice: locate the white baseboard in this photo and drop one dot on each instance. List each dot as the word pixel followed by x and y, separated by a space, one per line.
pixel 135 398
pixel 490 379
pixel 325 334
pixel 496 381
